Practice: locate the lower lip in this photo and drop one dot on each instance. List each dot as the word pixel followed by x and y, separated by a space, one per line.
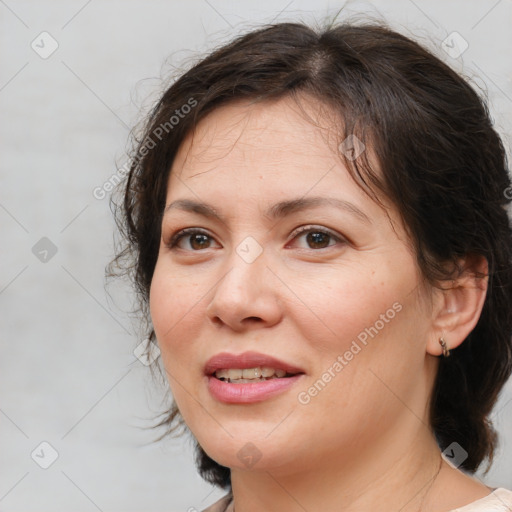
pixel 246 393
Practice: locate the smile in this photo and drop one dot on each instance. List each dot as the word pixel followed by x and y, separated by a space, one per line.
pixel 241 376
pixel 249 377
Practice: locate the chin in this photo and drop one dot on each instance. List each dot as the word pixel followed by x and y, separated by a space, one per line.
pixel 250 455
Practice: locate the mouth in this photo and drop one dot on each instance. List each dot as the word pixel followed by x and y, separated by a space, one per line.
pixel 249 377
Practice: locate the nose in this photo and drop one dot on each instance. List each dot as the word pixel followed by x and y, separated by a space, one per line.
pixel 246 297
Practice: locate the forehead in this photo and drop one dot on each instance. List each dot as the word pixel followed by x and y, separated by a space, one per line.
pixel 282 139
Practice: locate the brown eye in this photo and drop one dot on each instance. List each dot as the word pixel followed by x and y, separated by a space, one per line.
pixel 318 239
pixel 199 241
pixel 191 240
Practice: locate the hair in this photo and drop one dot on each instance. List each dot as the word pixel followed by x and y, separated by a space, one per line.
pixel 441 163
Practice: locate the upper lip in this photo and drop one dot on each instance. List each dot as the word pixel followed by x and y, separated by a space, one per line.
pixel 225 360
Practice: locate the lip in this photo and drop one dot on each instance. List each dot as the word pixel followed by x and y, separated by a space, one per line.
pixel 253 391
pixel 247 360
pixel 249 392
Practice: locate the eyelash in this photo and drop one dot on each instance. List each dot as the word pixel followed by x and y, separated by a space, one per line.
pixel 177 237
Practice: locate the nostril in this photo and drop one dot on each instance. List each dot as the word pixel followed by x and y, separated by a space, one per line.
pixel 217 321
pixel 252 320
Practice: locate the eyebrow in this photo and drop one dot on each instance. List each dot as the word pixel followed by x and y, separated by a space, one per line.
pixel 276 211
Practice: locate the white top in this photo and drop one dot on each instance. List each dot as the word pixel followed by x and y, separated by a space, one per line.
pixel 499 500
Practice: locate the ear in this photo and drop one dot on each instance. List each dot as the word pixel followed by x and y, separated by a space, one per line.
pixel 458 307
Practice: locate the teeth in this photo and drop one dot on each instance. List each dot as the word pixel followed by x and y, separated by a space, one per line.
pixel 267 372
pixel 229 374
pixel 249 374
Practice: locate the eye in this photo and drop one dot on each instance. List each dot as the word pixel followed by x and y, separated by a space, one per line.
pixel 316 238
pixel 192 238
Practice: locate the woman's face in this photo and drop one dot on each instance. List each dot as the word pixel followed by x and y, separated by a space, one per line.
pixel 286 257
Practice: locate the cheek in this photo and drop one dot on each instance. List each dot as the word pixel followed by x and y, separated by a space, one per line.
pixel 358 340
pixel 176 310
pixel 346 303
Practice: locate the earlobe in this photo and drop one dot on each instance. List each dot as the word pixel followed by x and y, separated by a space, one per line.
pixel 460 307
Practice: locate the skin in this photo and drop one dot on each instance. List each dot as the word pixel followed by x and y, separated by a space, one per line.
pixel 363 442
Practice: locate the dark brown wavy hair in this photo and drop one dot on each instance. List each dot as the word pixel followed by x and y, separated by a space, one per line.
pixel 441 163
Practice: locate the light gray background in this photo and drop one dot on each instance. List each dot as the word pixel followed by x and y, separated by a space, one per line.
pixel 68 374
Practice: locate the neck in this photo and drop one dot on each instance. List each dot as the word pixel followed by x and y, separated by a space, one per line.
pixel 395 473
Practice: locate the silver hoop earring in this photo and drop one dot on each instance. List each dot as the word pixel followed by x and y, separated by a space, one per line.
pixel 446 350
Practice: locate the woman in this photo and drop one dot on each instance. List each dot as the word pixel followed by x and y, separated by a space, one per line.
pixel 319 232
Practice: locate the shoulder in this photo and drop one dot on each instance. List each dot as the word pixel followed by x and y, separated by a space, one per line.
pixel 221 505
pixel 499 500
